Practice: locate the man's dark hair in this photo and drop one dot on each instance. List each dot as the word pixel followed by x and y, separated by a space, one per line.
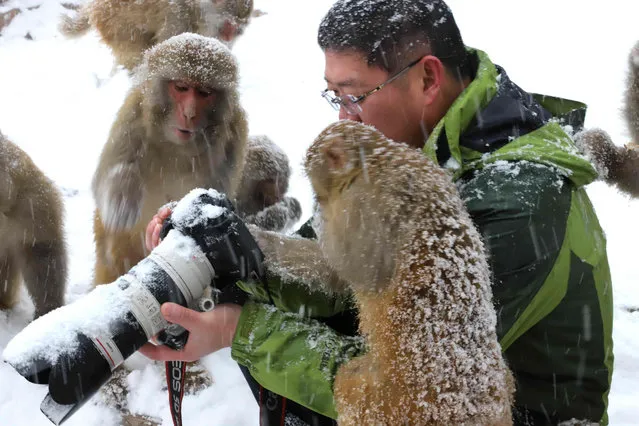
pixel 387 31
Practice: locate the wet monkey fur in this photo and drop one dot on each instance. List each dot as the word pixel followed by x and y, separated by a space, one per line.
pixel 32 243
pixel 392 225
pixel 180 127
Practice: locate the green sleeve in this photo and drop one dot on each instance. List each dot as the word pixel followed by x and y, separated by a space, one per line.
pixel 291 355
pixel 521 210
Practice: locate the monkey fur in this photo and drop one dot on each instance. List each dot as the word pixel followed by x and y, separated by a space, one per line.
pixel 140 169
pixel 393 226
pixel 130 27
pixel 32 243
pixel 261 198
pixel 617 165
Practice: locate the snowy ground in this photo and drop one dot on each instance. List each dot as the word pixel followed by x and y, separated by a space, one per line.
pixel 58 99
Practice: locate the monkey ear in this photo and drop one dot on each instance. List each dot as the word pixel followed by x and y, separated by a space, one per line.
pixel 336 156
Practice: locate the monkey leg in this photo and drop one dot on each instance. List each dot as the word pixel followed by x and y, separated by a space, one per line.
pixel 9 281
pixel 115 253
pixel 45 274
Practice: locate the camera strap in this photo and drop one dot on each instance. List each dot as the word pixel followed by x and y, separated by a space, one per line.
pixel 175 371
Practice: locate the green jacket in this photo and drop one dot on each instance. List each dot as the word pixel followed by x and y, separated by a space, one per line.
pixel 522 180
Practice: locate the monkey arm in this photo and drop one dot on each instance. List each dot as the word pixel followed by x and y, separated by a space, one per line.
pixel 117 183
pixel 272 343
pixel 298 261
pixel 8 191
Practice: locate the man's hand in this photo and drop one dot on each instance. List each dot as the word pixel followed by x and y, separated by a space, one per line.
pixel 208 331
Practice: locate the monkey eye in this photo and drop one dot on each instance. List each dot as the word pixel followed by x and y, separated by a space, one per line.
pixel 205 93
pixel 181 87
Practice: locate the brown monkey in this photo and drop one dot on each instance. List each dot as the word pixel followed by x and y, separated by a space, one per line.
pixel 261 197
pixel 631 103
pixel 181 127
pixel 129 27
pixel 32 244
pixel 618 165
pixel 394 227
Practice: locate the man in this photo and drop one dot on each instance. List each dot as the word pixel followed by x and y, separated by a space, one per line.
pixel 402 67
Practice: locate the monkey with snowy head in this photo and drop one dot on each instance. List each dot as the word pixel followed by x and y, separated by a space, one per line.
pixel 181 127
pixel 393 227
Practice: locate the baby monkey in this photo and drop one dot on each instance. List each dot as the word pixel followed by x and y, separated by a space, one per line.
pixel 392 225
pixel 261 198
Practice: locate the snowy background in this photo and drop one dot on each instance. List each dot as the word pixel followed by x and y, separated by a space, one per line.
pixel 58 99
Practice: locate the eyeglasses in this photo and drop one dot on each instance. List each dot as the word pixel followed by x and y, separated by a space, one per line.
pixel 351 103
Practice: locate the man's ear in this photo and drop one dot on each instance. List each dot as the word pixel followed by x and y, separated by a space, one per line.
pixel 432 78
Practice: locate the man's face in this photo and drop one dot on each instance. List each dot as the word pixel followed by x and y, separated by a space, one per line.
pixel 396 109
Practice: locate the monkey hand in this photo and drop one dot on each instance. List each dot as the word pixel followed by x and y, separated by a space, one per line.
pixel 154 228
pixel 278 217
pixel 597 145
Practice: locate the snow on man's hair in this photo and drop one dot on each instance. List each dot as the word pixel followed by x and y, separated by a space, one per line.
pixel 194 58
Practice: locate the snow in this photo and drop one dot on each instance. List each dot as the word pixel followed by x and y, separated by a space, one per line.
pixel 190 211
pixel 55 334
pixel 58 100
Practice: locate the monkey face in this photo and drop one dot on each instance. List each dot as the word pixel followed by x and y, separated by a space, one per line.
pixel 267 192
pixel 190 106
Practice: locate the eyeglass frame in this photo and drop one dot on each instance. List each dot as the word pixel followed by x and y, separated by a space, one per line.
pixel 337 102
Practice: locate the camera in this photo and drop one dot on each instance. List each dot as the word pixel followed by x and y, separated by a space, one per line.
pixel 75 348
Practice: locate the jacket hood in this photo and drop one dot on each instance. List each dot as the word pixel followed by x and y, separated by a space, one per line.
pixel 493 120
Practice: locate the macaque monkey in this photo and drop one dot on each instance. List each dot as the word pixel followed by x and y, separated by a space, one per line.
pixel 129 27
pixel 392 225
pixel 261 198
pixel 180 127
pixel 32 244
pixel 618 165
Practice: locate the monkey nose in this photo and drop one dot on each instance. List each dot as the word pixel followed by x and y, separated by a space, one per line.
pixel 189 111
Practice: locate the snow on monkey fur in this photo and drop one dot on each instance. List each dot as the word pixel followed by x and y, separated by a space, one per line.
pixel 392 225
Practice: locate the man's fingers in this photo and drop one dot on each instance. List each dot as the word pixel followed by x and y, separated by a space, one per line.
pixel 162 353
pixel 180 315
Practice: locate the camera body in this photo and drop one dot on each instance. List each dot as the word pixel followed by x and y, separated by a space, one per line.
pixel 75 348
